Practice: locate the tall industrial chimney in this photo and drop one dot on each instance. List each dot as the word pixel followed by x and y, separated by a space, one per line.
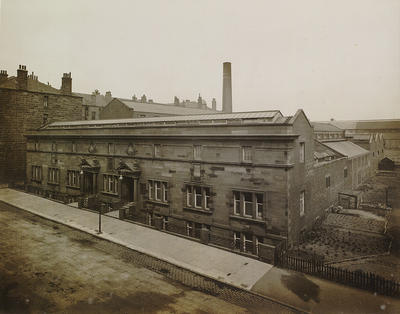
pixel 227 89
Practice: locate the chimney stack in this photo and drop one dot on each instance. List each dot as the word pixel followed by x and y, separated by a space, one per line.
pixel 214 104
pixel 227 88
pixel 22 77
pixel 108 97
pixel 3 76
pixel 66 83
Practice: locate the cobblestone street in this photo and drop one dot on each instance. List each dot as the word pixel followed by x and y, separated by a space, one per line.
pixel 48 267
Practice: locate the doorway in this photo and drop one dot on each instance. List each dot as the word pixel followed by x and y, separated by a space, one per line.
pixel 88 183
pixel 128 189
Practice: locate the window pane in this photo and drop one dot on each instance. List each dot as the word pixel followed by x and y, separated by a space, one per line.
pixel 189 195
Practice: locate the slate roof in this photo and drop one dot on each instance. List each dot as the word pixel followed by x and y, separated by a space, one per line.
pixel 271 117
pixel 325 127
pixel 368 124
pixel 163 109
pixel 33 85
pixel 322 151
pixel 347 148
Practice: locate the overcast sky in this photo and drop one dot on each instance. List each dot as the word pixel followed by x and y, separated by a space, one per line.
pixel 333 58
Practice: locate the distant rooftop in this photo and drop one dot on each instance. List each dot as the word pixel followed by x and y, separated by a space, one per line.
pixel 163 108
pixel 268 117
pixel 33 85
pixel 347 148
pixel 367 124
pixel 325 127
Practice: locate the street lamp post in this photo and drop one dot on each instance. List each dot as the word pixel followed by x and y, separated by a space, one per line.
pixel 101 207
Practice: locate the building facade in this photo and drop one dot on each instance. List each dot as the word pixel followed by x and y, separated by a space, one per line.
pixel 243 181
pixel 25 104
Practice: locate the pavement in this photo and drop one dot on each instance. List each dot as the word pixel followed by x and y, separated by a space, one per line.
pixel 307 293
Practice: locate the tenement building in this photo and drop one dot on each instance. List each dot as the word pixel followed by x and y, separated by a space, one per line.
pixel 243 181
pixel 26 103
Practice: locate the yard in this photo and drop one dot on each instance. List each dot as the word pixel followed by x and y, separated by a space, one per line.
pixel 365 238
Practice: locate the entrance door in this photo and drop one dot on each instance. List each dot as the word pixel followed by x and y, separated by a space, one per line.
pixel 128 190
pixel 88 183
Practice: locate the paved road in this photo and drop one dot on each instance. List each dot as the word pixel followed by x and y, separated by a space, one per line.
pixel 48 267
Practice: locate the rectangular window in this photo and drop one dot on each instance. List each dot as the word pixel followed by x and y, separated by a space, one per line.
pixel 110 183
pixel 45 101
pixel 54 176
pixel 345 172
pixel 45 118
pixel 248 204
pixel 236 240
pixel 197 152
pixel 259 206
pixel 165 223
pixel 247 243
pixel 157 187
pixel 37 146
pixel 302 151
pixel 151 189
pixel 93 115
pixel 53 147
pixel 207 198
pixel 189 196
pixel 247 154
pixel 236 203
pixel 36 173
pixel 302 203
pixel 158 191
pixel 328 181
pixel 73 178
pixel 165 191
pixel 73 149
pixel 110 148
pixel 189 229
pixel 157 150
pixel 198 197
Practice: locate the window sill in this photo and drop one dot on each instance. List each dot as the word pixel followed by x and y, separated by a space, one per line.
pixel 53 183
pixel 110 193
pixel 73 187
pixel 198 210
pixel 158 202
pixel 249 219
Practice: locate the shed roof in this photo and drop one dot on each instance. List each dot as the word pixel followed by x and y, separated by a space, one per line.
pixel 347 148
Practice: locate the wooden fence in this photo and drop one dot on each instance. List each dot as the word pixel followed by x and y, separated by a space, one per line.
pixel 358 279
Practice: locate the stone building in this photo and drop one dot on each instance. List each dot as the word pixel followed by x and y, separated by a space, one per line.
pixel 390 128
pixel 120 108
pixel 93 104
pixel 26 103
pixel 243 181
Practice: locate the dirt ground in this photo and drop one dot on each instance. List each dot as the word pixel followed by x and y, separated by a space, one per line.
pixel 349 239
pixel 49 268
